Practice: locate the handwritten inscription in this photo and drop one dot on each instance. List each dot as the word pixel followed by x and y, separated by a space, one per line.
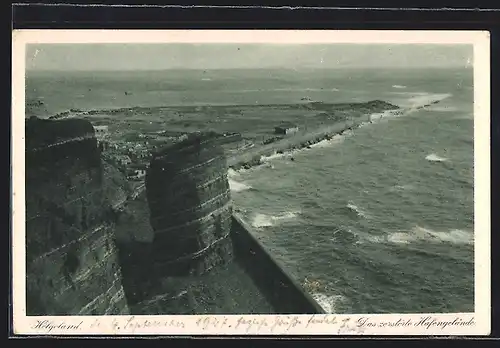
pixel 426 322
pixel 132 324
pixel 282 324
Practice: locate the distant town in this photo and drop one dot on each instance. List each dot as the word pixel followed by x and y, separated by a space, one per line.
pixel 132 153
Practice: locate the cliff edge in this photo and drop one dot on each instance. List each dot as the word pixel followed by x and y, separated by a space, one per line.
pixel 189 201
pixel 190 261
pixel 71 258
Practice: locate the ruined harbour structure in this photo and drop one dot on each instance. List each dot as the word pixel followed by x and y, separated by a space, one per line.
pixel 202 258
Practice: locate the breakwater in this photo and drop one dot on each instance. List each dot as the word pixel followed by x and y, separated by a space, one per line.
pixel 253 157
pixel 365 113
pixel 286 294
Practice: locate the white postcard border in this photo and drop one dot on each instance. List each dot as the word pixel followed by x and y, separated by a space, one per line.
pixel 477 323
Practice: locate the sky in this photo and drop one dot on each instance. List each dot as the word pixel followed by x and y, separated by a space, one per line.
pixel 111 57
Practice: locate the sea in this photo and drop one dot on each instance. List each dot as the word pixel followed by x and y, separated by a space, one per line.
pixel 380 219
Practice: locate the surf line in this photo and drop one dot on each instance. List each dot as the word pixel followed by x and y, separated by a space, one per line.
pixel 256 155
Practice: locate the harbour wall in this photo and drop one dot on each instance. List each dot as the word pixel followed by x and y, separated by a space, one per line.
pixel 253 156
pixel 283 291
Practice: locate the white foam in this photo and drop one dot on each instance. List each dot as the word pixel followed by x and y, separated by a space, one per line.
pixel 401 187
pixel 426 99
pixel 454 236
pixel 238 186
pixel 357 210
pixel 378 116
pixel 435 158
pixel 263 220
pixel 336 139
pixel 231 173
pixel 327 302
pixel 400 238
pixel 275 156
pixel 442 108
pixel 398 86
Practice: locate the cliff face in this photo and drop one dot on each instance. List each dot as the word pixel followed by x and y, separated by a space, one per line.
pixel 189 201
pixel 71 258
pixel 189 262
pixel 85 257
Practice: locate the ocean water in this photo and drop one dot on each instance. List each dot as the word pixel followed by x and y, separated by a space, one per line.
pixel 380 219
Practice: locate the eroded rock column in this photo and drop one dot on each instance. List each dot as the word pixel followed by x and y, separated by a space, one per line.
pixel 190 207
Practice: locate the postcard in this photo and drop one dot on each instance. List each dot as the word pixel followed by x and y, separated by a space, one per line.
pixel 251 182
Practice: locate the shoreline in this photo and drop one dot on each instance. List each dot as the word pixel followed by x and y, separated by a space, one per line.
pixel 306 105
pixel 254 157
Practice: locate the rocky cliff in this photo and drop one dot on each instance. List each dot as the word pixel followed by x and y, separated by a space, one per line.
pixel 82 260
pixel 188 266
pixel 189 201
pixel 71 259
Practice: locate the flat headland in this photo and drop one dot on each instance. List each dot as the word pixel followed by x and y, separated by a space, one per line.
pixel 247 132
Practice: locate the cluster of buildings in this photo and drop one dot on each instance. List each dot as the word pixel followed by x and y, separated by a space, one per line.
pixel 281 130
pixel 132 158
pixel 286 128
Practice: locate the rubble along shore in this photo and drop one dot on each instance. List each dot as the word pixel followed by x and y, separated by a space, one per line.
pixel 253 157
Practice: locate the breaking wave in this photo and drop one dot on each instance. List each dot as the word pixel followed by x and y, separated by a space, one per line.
pixel 359 212
pixel 398 86
pixel 418 233
pixel 231 173
pixel 443 109
pixel 336 139
pixel 264 220
pixel 435 158
pixel 236 186
pixel 378 116
pixel 327 302
pixel 399 188
pixel 275 156
pixel 427 99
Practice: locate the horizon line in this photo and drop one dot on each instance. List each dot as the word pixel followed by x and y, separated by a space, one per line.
pixel 255 68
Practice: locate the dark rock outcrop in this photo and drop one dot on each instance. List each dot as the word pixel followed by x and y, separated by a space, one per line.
pixel 71 259
pixel 35 108
pixel 78 263
pixel 189 200
pixel 189 266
